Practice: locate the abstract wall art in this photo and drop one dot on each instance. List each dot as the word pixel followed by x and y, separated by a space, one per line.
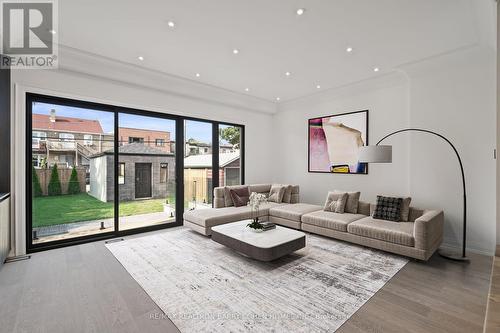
pixel 334 143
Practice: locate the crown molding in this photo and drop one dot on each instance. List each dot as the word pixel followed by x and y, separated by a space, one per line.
pixel 78 61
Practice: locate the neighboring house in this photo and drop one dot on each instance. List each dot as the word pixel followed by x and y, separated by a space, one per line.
pixel 144 172
pixel 198 174
pixel 202 148
pixel 152 138
pixel 66 141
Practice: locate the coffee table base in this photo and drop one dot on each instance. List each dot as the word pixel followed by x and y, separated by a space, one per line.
pixel 258 253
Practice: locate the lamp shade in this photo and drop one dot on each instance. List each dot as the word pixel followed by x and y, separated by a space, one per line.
pixel 375 154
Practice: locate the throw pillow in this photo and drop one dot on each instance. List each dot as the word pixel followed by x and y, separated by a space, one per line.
pixel 352 201
pixel 240 196
pixel 335 202
pixel 388 208
pixel 276 193
pixel 228 201
pixel 405 209
pixel 287 196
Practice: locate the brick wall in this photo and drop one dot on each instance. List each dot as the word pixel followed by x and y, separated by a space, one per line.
pixel 149 137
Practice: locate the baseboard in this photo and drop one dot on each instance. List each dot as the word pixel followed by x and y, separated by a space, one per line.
pixel 454 247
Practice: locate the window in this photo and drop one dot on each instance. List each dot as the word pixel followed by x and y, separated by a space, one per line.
pixel 121 173
pixel 232 176
pixel 230 155
pixel 138 156
pixel 87 139
pixel 66 136
pixel 40 135
pixel 36 138
pixel 135 140
pixel 163 172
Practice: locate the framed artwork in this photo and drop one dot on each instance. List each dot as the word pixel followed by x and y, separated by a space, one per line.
pixel 334 143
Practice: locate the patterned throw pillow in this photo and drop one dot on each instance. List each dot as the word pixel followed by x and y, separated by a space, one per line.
pixel 240 196
pixel 276 193
pixel 388 208
pixel 335 202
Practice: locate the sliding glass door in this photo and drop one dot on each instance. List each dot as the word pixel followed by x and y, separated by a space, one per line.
pixel 97 171
pixel 198 162
pixel 230 157
pixel 146 171
pixel 69 182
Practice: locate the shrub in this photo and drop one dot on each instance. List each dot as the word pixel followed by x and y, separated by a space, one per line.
pixel 37 188
pixel 54 183
pixel 74 184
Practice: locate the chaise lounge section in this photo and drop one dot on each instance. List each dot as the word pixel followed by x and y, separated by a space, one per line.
pixel 418 238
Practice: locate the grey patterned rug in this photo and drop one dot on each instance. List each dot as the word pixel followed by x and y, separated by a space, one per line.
pixel 203 286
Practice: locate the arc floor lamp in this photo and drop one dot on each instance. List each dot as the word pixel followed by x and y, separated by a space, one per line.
pixel 383 154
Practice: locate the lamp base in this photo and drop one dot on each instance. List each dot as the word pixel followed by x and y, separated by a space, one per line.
pixel 453 256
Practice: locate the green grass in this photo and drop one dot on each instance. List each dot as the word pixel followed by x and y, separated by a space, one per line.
pixel 83 207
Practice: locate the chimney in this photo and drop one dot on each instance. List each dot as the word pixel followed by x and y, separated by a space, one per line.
pixel 53 115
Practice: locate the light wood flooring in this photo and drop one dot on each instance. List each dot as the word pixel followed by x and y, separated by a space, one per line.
pixel 85 289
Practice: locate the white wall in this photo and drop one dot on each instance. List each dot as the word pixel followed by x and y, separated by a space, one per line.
pixel 498 134
pixel 93 83
pixel 452 94
pixel 455 96
pixel 387 102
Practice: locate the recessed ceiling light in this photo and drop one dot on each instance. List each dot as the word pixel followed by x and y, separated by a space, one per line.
pixel 236 51
pixel 376 69
pixel 52 31
pixel 301 11
pixel 247 89
pixel 197 75
pixel 318 86
pixel 141 58
pixel 288 73
pixel 277 98
pixel 349 49
pixel 171 24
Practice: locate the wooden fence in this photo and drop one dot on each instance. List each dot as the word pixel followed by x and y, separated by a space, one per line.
pixel 64 176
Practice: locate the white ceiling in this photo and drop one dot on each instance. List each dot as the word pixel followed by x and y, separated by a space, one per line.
pixel 271 37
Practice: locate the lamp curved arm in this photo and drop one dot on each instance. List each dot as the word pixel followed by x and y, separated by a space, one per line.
pixel 461 170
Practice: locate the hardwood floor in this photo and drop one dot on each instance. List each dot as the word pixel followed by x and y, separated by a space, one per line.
pixel 492 322
pixel 84 289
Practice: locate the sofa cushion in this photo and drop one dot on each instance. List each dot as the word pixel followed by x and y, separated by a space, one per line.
pixel 388 208
pixel 214 216
pixel 330 220
pixel 266 207
pixel 398 233
pixel 335 202
pixel 293 211
pixel 405 209
pixel 287 196
pixel 239 196
pixel 228 201
pixel 352 203
pixel 276 193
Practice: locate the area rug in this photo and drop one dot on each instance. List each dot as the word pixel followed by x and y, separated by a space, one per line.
pixel 203 286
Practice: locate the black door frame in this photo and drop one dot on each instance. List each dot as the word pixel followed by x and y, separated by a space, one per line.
pixel 179 168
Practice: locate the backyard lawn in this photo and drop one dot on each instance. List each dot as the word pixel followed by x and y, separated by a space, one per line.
pixel 83 207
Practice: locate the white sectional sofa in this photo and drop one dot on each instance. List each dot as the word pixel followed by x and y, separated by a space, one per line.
pixel 418 238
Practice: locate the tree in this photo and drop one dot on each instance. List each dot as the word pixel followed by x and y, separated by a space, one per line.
pixel 230 134
pixel 74 183
pixel 37 188
pixel 54 182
